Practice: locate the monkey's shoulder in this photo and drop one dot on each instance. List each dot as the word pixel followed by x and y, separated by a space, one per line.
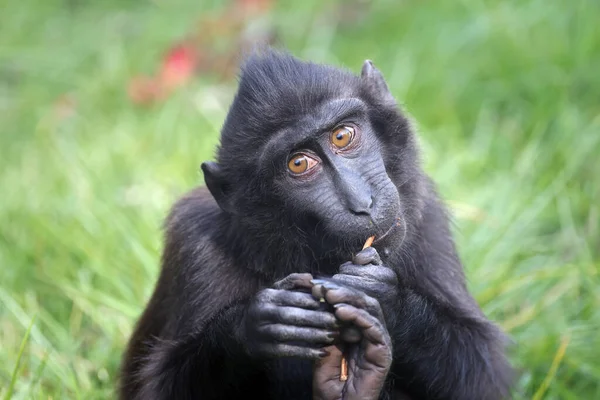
pixel 190 227
pixel 193 252
pixel 195 211
pixel 196 231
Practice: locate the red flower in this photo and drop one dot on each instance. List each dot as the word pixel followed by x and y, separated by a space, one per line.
pixel 178 66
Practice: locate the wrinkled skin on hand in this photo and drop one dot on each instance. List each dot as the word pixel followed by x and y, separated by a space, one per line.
pixel 285 321
pixel 369 354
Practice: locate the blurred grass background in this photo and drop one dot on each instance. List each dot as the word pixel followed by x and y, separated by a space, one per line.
pixel 507 98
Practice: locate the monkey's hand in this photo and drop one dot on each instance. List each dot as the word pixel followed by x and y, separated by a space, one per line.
pixel 366 273
pixel 369 355
pixel 285 321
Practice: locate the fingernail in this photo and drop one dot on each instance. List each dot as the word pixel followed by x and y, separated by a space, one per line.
pixel 329 285
pixel 323 353
pixel 338 305
pixel 317 281
pixel 333 334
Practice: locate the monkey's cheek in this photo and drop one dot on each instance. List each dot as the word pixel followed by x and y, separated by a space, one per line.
pixel 392 238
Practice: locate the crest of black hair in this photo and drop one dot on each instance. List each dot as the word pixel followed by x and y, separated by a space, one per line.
pixel 274 88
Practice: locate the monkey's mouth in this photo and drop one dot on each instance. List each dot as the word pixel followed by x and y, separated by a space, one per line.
pixel 397 223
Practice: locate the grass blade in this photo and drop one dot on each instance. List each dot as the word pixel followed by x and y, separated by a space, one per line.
pixel 553 368
pixel 15 372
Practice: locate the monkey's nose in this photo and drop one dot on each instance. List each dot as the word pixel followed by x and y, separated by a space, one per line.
pixel 355 192
pixel 361 204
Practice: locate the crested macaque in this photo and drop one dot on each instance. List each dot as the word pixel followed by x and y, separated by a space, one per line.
pixel 312 161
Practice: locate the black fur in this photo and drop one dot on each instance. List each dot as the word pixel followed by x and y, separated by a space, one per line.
pixel 189 343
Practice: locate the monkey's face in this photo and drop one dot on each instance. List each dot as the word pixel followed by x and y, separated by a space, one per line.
pixel 312 152
pixel 329 175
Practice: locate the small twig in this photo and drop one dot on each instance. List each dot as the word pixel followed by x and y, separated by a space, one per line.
pixel 344 366
pixel 369 242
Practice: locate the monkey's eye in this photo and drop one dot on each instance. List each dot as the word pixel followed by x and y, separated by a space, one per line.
pixel 342 136
pixel 300 163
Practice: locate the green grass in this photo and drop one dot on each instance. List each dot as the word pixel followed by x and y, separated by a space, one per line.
pixel 506 95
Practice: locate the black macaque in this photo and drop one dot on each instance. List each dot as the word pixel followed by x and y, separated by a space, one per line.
pixel 312 161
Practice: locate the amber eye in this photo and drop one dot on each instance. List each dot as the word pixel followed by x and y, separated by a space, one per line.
pixel 301 163
pixel 341 137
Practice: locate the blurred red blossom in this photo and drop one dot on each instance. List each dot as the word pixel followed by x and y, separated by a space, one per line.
pixel 197 51
pixel 178 65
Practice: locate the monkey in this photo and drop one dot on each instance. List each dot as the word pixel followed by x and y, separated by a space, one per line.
pixel 312 160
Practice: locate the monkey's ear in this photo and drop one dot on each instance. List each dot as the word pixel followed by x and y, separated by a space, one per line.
pixel 218 186
pixel 375 82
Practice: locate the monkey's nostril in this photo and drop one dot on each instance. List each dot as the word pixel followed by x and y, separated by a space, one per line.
pixel 364 208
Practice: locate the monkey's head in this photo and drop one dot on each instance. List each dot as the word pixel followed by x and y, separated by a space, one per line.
pixel 316 153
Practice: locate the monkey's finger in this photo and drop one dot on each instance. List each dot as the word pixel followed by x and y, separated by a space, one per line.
pixel 289 298
pixel 335 293
pixel 377 343
pixel 371 328
pixel 300 317
pixel 367 256
pixel 288 350
pixel 376 272
pixel 364 284
pixel 294 281
pixel 290 333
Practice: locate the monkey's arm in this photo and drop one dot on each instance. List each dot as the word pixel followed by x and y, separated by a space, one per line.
pixel 216 340
pixel 443 343
pixel 188 340
pixel 224 329
pixel 441 353
pixel 192 364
